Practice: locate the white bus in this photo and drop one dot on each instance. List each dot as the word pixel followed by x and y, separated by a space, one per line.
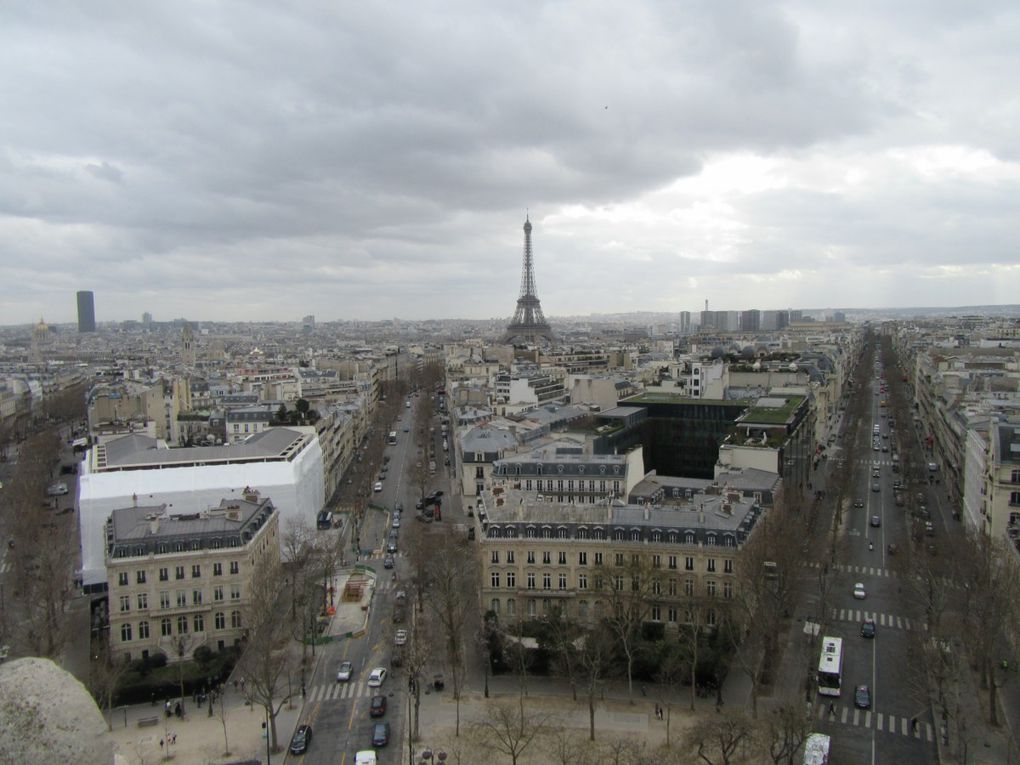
pixel 830 666
pixel 393 437
pixel 816 749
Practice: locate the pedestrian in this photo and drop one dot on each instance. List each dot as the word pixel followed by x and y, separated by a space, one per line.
pixel 161 744
pixel 235 683
pixel 242 685
pixel 913 725
pixel 832 709
pixel 644 691
pixel 173 739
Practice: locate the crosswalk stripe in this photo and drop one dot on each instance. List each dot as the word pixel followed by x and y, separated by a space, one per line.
pixel 857 716
pixel 867 719
pixel 878 725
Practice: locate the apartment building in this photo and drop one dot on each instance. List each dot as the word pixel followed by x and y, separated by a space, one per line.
pixel 568 472
pixel 178 581
pixel 538 556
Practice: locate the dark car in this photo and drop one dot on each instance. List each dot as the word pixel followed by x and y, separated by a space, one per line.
pixel 301 739
pixel 876 521
pixel 378 706
pixel 862 697
pixel 391 546
pixel 381 734
pixel 868 628
pixel 388 561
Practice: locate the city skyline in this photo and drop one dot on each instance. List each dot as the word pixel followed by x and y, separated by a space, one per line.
pixel 251 163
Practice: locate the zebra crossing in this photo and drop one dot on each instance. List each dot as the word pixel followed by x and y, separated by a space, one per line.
pixel 337 691
pixel 888 621
pixel 863 570
pixel 866 718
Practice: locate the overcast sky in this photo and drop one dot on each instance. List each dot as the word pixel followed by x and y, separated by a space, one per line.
pixel 243 161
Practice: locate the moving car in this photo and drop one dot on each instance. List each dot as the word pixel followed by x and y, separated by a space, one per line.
pixel 875 486
pixel 868 628
pixel 388 561
pixel 381 734
pixel 57 489
pixel 396 522
pixel 400 637
pixel 859 593
pixel 377 677
pixel 377 708
pixel 365 757
pixel 345 672
pixel 858 503
pixel 301 739
pixel 862 697
pixel 876 521
pixel 377 487
pixel 391 546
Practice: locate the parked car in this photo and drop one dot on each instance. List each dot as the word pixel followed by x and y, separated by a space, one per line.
pixel 377 487
pixel 859 592
pixel 302 738
pixel 391 546
pixel 858 503
pixel 388 561
pixel 57 489
pixel 381 734
pixel 868 628
pixel 377 707
pixel 365 757
pixel 377 677
pixel 862 697
pixel 345 672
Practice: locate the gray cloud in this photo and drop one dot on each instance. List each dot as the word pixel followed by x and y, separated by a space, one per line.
pixel 371 161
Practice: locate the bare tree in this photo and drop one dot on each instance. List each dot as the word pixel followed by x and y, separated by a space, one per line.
pixel 510 729
pixel 106 672
pixel 627 593
pixel 595 655
pixel 720 740
pixel 562 634
pixel 452 596
pixel 781 734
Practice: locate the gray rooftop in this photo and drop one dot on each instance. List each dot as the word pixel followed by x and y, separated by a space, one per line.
pixel 140 451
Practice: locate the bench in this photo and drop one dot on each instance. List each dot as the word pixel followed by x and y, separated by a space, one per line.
pixel 145 722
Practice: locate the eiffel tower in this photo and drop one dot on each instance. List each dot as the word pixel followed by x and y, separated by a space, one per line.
pixel 528 324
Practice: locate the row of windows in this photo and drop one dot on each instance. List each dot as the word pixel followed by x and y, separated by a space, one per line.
pixel 559 485
pixel 595 609
pixel 196 623
pixel 179 599
pixel 671 587
pixel 598 533
pixel 123 577
pixel 619 559
pixel 162 548
pixel 516 470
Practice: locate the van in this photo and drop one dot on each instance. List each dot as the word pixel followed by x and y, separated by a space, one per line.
pixel 365 757
pixel 324 520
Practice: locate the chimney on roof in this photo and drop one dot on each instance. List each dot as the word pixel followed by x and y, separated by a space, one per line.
pixel 154 524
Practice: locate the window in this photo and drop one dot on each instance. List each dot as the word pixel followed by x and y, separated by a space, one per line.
pixel 182 598
pixel 563 581
pixel 688 563
pixel 196 597
pixel 582 559
pixel 235 592
pixel 140 577
pixel 710 588
pixel 164 574
pixel 235 619
pixel 196 571
pixel 618 559
pixel 672 587
pixel 546 581
pixel 125 633
pixel 531 580
pixel 509 556
pixel 479 472
pixel 598 559
pixel 727 566
pixel 532 608
pixel 494 605
pixel 563 559
pixel 122 579
pixel 1014 498
pixel 143 630
pixel 199 623
pixel 125 603
pixel 711 564
pixel 220 620
pixel 511 579
pixel 657 587
pixel 166 627
pixel 531 556
pixel 494 579
pixel 689 588
pixel 671 615
pixel 511 606
pixel 546 557
pixel 727 590
pixel 182 625
pixel 234 567
pixel 656 614
pixel 179 572
pixel 495 556
pixel 710 617
pixel 143 601
pixel 582 581
pixel 164 599
pixel 1014 476
pixel 217 593
pixel 217 569
pixel 672 562
pixel 618 583
pixel 656 561
pixel 689 538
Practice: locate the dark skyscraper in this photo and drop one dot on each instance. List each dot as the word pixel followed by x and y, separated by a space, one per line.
pixel 86 312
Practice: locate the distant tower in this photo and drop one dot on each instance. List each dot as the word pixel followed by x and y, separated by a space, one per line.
pixel 188 346
pixel 528 324
pixel 86 312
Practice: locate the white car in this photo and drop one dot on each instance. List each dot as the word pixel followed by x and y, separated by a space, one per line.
pixel 376 677
pixel 345 672
pixel 859 592
pixel 57 489
pixel 377 487
pixel 400 637
pixel 396 522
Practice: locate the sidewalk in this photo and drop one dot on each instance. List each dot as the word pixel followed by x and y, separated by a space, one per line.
pixel 139 731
